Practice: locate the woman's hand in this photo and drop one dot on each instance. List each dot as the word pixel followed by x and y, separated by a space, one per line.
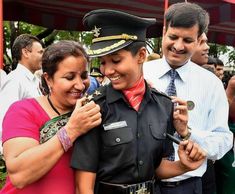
pixel 191 155
pixel 180 116
pixel 83 119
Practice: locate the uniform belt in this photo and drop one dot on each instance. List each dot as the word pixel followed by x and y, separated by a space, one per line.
pixel 177 183
pixel 146 187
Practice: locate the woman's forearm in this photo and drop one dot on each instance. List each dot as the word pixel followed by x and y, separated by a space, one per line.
pixel 30 162
pixel 85 182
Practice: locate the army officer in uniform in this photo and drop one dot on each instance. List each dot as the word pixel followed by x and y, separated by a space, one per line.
pixel 129 149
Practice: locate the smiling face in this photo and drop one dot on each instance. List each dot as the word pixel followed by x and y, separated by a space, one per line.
pixel 200 55
pixel 179 44
pixel 122 68
pixel 69 82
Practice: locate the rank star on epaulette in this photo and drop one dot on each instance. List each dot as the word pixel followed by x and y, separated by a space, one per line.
pixel 96 31
pixel 90 97
pixel 97 93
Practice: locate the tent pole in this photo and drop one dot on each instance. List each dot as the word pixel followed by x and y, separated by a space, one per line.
pixel 165 8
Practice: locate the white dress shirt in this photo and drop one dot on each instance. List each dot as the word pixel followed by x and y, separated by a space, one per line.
pixel 2 77
pixel 18 84
pixel 209 118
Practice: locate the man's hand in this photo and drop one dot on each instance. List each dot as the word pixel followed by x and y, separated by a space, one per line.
pixel 180 116
pixel 191 155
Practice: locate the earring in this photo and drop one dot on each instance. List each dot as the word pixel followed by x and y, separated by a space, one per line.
pixel 49 87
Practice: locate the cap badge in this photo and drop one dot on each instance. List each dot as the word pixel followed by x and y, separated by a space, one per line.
pixel 96 31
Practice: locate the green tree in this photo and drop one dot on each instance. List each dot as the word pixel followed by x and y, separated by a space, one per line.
pixel 48 36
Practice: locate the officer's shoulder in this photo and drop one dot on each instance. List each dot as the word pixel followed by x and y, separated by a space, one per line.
pixel 159 93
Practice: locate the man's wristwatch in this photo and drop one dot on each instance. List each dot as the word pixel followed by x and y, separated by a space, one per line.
pixel 186 137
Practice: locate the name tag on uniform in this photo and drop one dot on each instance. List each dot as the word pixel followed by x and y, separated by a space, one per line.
pixel 114 125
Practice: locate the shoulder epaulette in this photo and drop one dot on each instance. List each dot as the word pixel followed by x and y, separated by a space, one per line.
pixel 159 93
pixel 99 93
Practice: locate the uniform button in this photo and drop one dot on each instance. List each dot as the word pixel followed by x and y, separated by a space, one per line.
pixel 141 162
pixel 117 139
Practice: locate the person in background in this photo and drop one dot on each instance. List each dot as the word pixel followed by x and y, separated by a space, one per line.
pixel 38 133
pixel 94 84
pixel 200 57
pixel 204 92
pixel 7 68
pixel 225 167
pixel 96 79
pixel 219 68
pixel 95 72
pixel 227 77
pixel 210 65
pixel 103 80
pixel 21 83
pixel 153 56
pixel 129 148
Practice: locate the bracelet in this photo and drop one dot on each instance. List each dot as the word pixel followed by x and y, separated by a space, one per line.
pixel 64 139
pixel 188 135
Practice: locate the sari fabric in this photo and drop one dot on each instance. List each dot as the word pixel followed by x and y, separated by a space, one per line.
pixel 52 126
pixel 30 119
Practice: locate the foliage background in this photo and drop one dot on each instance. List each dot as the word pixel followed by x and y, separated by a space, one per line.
pixel 3 172
pixel 13 29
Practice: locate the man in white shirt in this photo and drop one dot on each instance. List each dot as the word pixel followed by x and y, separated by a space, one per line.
pixel 2 77
pixel 207 102
pixel 200 57
pixel 21 83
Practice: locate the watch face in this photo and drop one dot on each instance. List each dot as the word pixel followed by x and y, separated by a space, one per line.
pixel 190 105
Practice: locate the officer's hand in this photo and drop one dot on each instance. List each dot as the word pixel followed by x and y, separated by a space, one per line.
pixel 191 155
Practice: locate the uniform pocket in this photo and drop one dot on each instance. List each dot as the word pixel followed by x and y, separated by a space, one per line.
pixel 117 136
pixel 158 131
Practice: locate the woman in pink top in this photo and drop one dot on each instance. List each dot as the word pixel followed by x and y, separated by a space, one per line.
pixel 38 133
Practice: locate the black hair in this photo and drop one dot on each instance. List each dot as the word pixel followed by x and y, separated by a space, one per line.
pixel 135 46
pixel 215 61
pixel 211 60
pixel 56 53
pixel 22 41
pixel 218 62
pixel 187 15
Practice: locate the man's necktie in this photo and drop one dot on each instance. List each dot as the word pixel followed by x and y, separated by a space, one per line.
pixel 171 89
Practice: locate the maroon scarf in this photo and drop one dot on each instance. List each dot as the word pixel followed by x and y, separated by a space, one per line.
pixel 135 94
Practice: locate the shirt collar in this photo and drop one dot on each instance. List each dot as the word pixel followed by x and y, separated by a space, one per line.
pixel 182 71
pixel 26 72
pixel 113 95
